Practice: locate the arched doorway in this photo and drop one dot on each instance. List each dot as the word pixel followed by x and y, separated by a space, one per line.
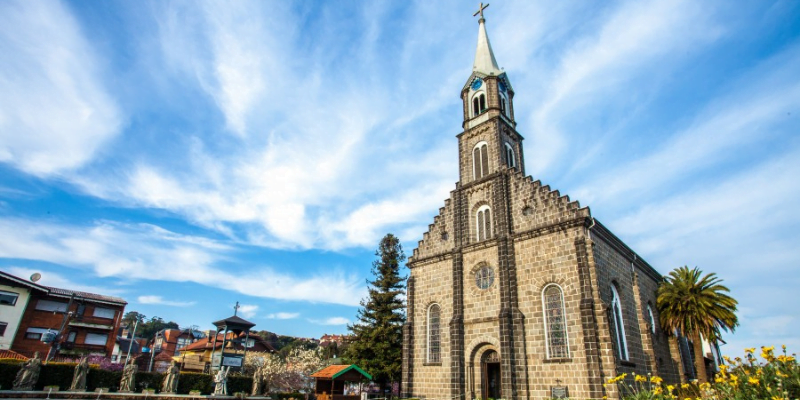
pixel 490 375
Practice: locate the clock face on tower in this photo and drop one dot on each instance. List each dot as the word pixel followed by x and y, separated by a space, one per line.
pixel 476 84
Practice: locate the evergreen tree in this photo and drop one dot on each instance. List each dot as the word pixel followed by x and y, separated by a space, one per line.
pixel 377 343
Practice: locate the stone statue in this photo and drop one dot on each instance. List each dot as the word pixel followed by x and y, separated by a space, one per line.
pixel 170 384
pixel 258 381
pixel 128 382
pixel 79 377
pixel 28 374
pixel 221 382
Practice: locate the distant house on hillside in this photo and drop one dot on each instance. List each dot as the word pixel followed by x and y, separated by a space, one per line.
pixel 197 356
pixel 327 340
pixel 90 320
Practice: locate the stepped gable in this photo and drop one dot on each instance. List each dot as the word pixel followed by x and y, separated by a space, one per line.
pixel 439 237
pixel 535 206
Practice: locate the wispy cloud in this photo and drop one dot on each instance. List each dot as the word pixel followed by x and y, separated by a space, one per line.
pixel 283 315
pixel 55 113
pixel 248 310
pixel 146 252
pixel 153 299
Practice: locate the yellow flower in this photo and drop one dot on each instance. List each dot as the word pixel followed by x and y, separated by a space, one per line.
pixel 641 378
pixel 752 381
pixel 656 379
pixel 719 379
pixel 750 350
pixel 670 388
pixel 684 386
pixel 658 390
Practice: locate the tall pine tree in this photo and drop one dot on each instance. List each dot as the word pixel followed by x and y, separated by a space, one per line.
pixel 377 343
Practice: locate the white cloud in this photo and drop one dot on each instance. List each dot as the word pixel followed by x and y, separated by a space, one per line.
pixel 283 315
pixel 247 310
pixel 330 321
pixel 153 299
pixel 637 39
pixel 55 113
pixel 148 252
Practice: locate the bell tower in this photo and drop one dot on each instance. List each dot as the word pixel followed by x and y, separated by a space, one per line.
pixel 490 142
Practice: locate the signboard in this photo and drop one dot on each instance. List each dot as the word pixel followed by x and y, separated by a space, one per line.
pixel 559 392
pixel 232 361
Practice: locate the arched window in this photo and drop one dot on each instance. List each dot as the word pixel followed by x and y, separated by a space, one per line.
pixel 478 104
pixel 619 323
pixel 651 318
pixel 504 104
pixel 434 339
pixel 483 223
pixel 480 160
pixel 555 324
pixel 511 161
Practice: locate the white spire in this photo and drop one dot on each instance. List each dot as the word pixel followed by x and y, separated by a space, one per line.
pixel 484 57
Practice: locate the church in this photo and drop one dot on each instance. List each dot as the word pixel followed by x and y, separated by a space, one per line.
pixel 515 291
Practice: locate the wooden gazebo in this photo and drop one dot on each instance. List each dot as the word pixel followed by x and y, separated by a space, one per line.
pixel 331 381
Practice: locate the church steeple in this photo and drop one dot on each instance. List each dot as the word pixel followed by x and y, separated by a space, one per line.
pixel 490 142
pixel 484 56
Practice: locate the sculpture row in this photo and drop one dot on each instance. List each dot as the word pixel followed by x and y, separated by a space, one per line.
pixel 28 375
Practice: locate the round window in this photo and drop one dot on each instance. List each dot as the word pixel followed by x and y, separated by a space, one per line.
pixel 484 277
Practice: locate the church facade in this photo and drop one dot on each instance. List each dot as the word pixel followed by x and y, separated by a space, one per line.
pixel 515 291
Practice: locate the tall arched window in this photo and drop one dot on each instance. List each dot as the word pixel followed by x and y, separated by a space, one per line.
pixel 651 318
pixel 480 160
pixel 478 104
pixel 555 324
pixel 511 160
pixel 483 223
pixel 619 323
pixel 434 339
pixel 503 104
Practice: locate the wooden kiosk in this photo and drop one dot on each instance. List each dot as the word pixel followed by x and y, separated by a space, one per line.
pixel 331 382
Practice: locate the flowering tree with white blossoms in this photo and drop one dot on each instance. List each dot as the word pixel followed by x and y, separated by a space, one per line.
pixel 292 374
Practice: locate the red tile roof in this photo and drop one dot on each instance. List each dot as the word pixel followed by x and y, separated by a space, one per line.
pixel 12 355
pixel 90 296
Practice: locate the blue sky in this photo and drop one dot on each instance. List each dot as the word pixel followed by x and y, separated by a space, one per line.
pixel 187 155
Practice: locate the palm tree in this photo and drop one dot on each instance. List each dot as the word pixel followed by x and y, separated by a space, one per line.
pixel 696 307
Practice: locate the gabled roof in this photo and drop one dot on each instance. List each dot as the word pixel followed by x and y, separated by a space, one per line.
pixel 12 355
pixel 23 282
pixel 234 323
pixel 88 296
pixel 335 371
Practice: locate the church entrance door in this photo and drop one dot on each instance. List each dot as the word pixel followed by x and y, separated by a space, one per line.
pixel 490 375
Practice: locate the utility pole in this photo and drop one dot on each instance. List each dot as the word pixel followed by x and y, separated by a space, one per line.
pixel 56 343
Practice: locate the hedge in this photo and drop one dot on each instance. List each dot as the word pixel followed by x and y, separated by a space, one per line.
pixel 195 381
pixel 60 374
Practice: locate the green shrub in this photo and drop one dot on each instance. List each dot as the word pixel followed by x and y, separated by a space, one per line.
pixel 195 381
pixel 55 374
pixel 8 371
pixel 286 396
pixel 148 380
pixel 102 378
pixel 239 384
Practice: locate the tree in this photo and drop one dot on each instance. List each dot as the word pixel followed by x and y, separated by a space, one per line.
pixel 696 307
pixel 377 343
pixel 131 317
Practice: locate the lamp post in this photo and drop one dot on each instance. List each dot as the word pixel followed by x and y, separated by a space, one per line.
pixel 130 344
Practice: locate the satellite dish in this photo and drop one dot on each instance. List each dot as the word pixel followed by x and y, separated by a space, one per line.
pixel 35 277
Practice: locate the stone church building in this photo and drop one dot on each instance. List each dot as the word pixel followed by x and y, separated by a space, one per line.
pixel 515 291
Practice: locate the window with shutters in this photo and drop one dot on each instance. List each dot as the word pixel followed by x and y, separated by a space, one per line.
pixel 483 223
pixel 480 160
pixel 478 104
pixel 511 160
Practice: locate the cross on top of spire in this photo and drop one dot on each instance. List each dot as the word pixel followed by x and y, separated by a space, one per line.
pixel 236 308
pixel 481 7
